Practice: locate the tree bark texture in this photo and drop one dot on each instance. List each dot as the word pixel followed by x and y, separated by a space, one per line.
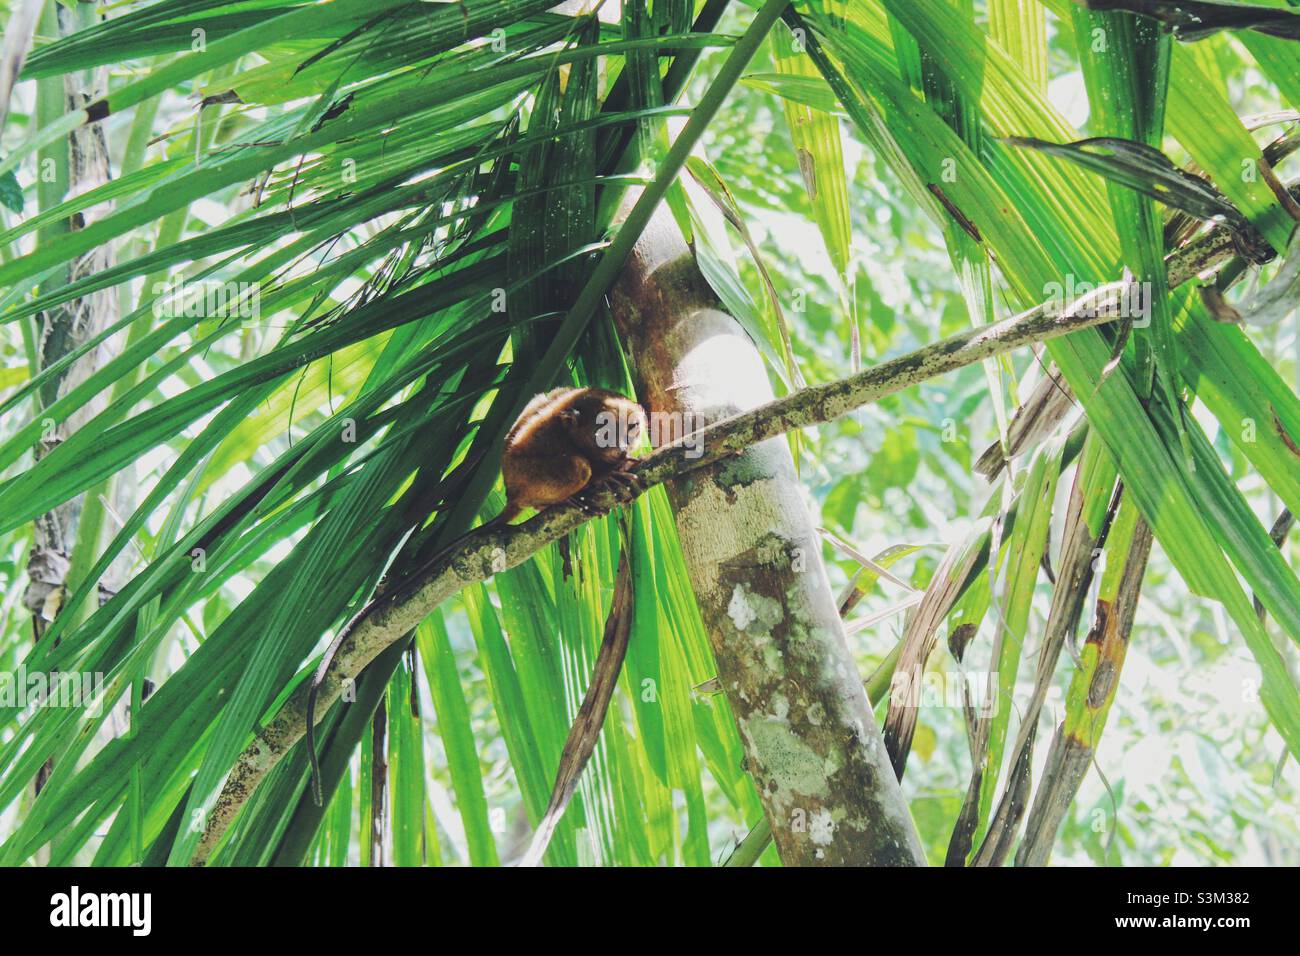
pixel 810 738
pixel 63 329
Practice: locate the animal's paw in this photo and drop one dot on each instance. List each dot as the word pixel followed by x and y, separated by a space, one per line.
pixel 582 501
pixel 623 484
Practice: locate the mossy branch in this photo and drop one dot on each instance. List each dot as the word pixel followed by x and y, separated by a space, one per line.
pixel 489 551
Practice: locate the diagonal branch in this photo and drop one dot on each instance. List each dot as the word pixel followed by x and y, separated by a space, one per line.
pixel 489 551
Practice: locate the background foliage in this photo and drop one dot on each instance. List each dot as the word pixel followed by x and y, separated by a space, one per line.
pixel 381 169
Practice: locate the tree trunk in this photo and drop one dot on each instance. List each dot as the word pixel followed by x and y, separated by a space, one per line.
pixel 810 738
pixel 63 329
pixel 67 327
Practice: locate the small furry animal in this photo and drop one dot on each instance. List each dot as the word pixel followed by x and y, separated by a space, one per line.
pixel 564 442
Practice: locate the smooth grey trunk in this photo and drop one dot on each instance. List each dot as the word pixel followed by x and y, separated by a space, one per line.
pixel 811 742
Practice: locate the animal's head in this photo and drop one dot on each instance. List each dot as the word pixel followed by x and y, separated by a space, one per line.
pixel 605 423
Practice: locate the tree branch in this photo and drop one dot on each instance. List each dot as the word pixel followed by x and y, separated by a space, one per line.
pixel 489 551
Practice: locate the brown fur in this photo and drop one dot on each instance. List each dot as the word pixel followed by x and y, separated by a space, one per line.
pixel 564 441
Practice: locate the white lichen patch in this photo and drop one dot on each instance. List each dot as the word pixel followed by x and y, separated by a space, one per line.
pixel 754 614
pixel 832 764
pixel 821 828
pixel 771 656
pixel 740 611
pixel 792 769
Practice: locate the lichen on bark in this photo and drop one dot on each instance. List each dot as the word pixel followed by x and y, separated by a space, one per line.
pixel 811 742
